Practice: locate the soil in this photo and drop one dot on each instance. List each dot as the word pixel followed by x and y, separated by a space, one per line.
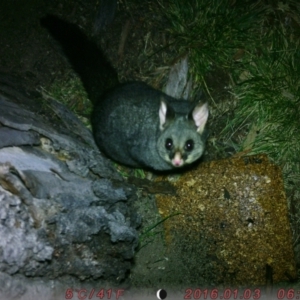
pixel 135 42
pixel 139 46
pixel 26 50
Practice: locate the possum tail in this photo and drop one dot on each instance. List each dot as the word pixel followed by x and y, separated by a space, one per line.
pixel 86 58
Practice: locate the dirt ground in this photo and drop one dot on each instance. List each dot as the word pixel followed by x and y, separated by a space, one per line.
pixel 27 51
pixel 136 43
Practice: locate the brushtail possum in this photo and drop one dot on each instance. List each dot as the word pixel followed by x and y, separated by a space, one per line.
pixel 133 123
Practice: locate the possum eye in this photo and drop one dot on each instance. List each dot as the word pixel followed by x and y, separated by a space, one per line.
pixel 189 145
pixel 169 144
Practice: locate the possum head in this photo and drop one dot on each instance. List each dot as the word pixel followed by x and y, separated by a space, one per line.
pixel 181 141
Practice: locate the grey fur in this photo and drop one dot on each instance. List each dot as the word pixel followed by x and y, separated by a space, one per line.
pixel 133 123
pixel 126 127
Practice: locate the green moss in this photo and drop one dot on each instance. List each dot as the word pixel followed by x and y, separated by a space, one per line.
pixel 73 95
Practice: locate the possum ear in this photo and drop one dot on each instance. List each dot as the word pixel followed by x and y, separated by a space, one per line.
pixel 165 113
pixel 199 115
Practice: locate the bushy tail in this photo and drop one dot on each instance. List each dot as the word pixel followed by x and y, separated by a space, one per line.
pixel 86 58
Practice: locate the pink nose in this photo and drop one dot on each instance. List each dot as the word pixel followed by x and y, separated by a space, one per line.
pixel 177 160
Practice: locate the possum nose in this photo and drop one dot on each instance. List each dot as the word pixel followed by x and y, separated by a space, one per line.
pixel 177 160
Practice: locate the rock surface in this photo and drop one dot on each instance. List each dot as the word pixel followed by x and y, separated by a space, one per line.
pixel 64 210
